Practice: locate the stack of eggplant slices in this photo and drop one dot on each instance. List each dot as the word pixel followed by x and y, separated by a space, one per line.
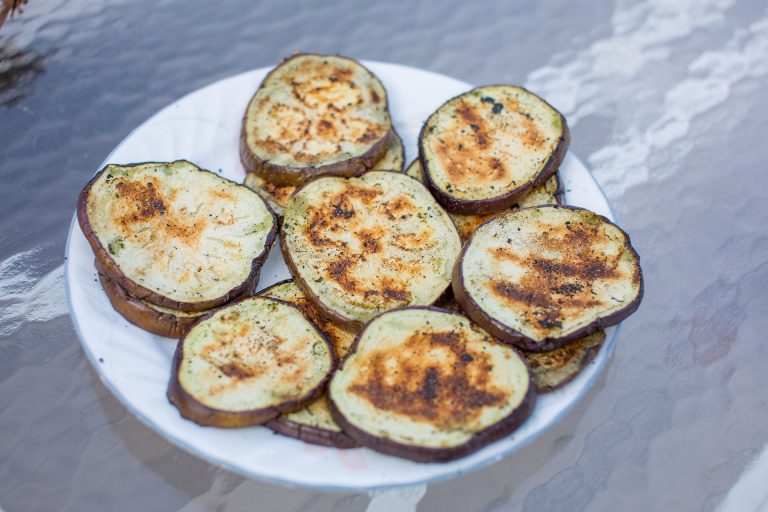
pixel 428 306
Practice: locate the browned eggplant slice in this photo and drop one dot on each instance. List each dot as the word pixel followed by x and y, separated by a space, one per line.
pixel 361 246
pixel 540 277
pixel 426 384
pixel 315 115
pixel 556 368
pixel 175 235
pixel 482 150
pixel 551 192
pixel 247 362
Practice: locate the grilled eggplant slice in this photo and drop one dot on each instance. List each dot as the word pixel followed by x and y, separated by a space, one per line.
pixel 484 149
pixel 360 246
pixel 315 115
pixel 145 315
pixel 176 235
pixel 247 362
pixel 546 275
pixel 551 192
pixel 556 368
pixel 428 385
pixel 277 196
pixel 312 423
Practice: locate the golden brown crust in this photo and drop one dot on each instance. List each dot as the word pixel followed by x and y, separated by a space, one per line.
pixel 192 409
pixel 471 147
pixel 323 127
pixel 546 291
pixel 112 269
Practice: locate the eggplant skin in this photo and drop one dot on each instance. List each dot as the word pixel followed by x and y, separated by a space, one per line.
pixel 311 435
pixel 281 174
pixel 422 454
pixel 112 269
pixel 143 316
pixel 508 335
pixel 204 415
pixel 498 202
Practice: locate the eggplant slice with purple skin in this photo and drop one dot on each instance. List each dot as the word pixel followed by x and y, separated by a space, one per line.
pixel 176 235
pixel 277 196
pixel 315 115
pixel 312 423
pixel 246 363
pixel 551 192
pixel 542 276
pixel 361 246
pixel 428 385
pixel 482 150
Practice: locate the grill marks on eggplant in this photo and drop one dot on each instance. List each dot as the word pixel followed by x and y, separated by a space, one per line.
pixel 323 114
pixel 438 378
pixel 489 145
pixel 365 245
pixel 174 234
pixel 247 362
pixel 548 273
pixel 427 385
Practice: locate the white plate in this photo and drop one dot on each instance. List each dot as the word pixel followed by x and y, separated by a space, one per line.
pixel 203 127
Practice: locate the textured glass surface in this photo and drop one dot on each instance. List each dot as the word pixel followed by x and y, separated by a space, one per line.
pixel 667 105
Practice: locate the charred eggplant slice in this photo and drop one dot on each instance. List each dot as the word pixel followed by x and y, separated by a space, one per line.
pixel 428 385
pixel 551 192
pixel 540 277
pixel 175 235
pixel 482 150
pixel 361 246
pixel 556 368
pixel 315 115
pixel 247 362
pixel 394 158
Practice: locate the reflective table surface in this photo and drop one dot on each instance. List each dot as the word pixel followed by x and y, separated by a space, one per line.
pixel 667 105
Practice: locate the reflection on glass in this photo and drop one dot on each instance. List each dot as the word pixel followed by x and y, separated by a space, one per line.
pixel 18 71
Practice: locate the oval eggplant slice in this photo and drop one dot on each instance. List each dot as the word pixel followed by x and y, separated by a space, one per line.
pixel 277 196
pixel 546 275
pixel 158 320
pixel 360 246
pixel 176 235
pixel 312 423
pixel 483 149
pixel 315 115
pixel 248 362
pixel 551 192
pixel 556 368
pixel 428 385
